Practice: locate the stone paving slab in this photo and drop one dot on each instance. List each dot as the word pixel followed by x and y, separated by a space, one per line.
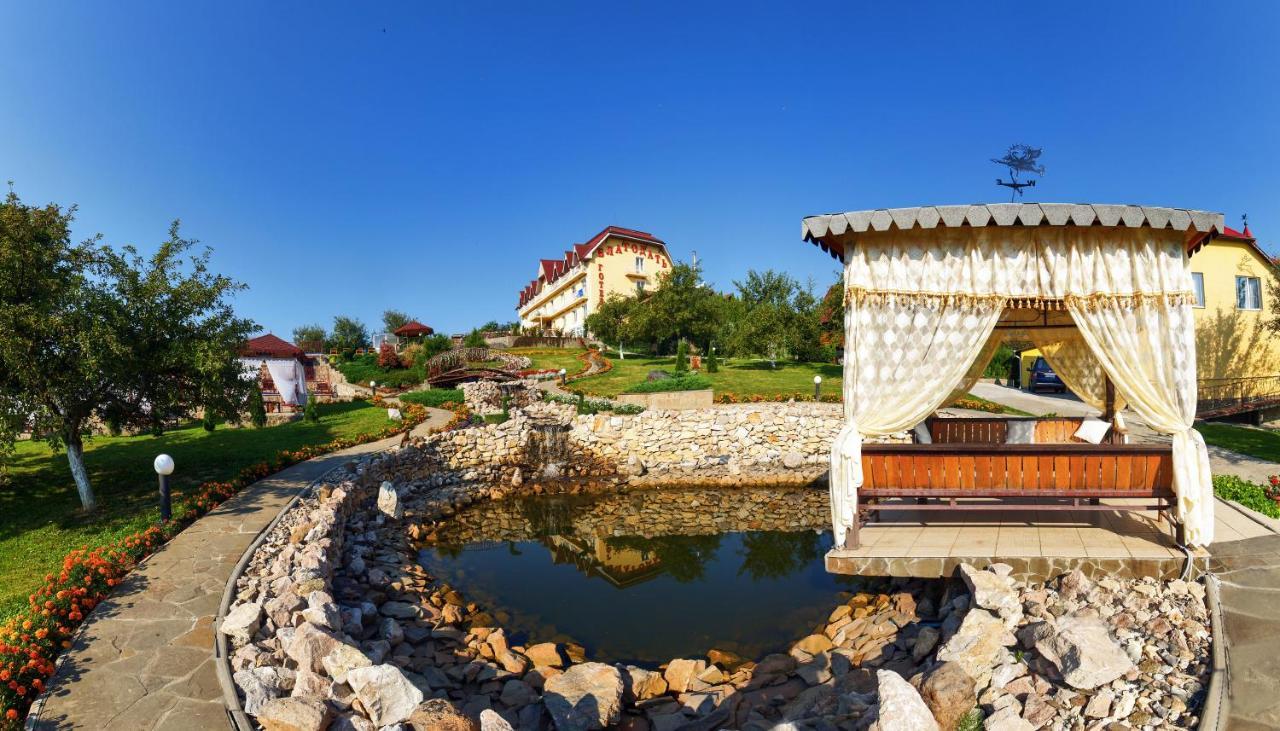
pixel 144 658
pixel 1249 571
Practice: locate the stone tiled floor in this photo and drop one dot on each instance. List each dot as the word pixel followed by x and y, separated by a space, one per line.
pixel 144 659
pixel 1101 534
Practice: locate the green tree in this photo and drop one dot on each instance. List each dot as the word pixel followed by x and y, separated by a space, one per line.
pixel 681 307
pixel 309 334
pixel 474 339
pixel 609 323
pixel 393 320
pixel 682 357
pixel 310 412
pixel 348 334
pixel 90 331
pixel 713 363
pixel 257 409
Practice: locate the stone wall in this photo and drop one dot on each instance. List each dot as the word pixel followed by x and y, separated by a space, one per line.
pixel 700 399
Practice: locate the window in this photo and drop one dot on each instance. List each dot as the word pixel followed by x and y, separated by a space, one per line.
pixel 1197 283
pixel 639 265
pixel 1248 293
pixel 640 287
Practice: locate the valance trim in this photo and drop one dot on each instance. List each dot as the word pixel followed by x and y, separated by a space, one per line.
pixel 1088 301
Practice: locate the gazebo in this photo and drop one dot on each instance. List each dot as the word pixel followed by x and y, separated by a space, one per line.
pixel 280 368
pixel 1104 291
pixel 413 329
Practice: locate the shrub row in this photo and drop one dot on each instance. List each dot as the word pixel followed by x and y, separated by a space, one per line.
pixel 1249 494
pixel 728 397
pixel 31 640
pixel 678 383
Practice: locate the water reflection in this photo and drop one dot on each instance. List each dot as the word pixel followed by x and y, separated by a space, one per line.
pixel 648 576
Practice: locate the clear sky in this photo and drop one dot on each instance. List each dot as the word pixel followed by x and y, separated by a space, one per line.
pixel 350 157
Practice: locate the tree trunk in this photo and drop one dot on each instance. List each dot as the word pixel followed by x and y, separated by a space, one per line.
pixel 75 457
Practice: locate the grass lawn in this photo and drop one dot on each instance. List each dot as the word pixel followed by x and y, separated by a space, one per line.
pixel 1260 443
pixel 40 518
pixel 552 358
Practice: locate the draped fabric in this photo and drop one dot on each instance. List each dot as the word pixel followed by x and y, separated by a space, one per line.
pixel 979 366
pixel 290 379
pixel 1073 360
pixel 904 356
pixel 1148 350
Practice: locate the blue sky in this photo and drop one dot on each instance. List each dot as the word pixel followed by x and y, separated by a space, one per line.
pixel 351 157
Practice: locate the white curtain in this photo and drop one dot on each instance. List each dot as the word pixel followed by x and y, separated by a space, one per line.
pixel 979 366
pixel 1070 356
pixel 290 379
pixel 1147 346
pixel 903 357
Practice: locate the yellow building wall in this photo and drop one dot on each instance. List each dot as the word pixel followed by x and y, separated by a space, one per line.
pixel 612 269
pixel 1233 342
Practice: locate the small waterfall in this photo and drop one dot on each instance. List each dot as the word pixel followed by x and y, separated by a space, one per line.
pixel 548 448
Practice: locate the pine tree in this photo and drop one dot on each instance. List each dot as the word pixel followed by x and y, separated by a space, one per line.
pixel 713 365
pixel 309 412
pixel 682 357
pixel 257 410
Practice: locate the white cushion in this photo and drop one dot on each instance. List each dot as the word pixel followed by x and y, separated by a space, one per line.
pixel 922 434
pixel 1020 432
pixel 1092 430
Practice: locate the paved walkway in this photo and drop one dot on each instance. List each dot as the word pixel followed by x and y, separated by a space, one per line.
pixel 144 659
pixel 1250 574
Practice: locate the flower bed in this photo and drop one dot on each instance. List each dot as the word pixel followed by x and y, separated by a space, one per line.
pixel 31 640
pixel 590 359
pixel 1251 495
pixel 728 397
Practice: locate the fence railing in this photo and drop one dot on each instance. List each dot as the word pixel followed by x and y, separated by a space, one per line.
pixel 1225 396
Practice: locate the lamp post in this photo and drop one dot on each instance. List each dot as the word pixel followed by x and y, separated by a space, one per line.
pixel 164 468
pixel 817 387
pixel 563 379
pixel 373 388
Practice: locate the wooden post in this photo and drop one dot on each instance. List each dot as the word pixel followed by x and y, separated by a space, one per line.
pixel 1108 400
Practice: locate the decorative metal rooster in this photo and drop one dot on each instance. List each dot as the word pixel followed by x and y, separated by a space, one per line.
pixel 1019 159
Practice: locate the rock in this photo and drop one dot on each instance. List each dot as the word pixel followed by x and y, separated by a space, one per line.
pixel 926 640
pixel 730 660
pixel 399 610
pixel 258 691
pixel 491 721
pixel 901 708
pixel 645 684
pixel 587 696
pixel 295 714
pixel 394 414
pixel 977 644
pixel 792 460
pixel 1074 585
pixel 1084 652
pixel 1037 711
pixel 389 500
pixel 343 659
pixel 813 644
pixel 1006 719
pixel 439 714
pixel 679 672
pixel 242 623
pixel 516 693
pixel 311 685
pixel 544 655
pixel 310 645
pixel 1099 705
pixel 949 693
pixel 992 591
pixel 386 694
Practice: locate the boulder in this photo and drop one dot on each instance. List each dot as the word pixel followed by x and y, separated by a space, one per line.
pixel 977 644
pixel 491 721
pixel 644 684
pixel 310 645
pixel 949 693
pixel 438 714
pixel 343 659
pixel 679 672
pixel 517 693
pixel 993 591
pixel 544 655
pixel 389 500
pixel 1084 652
pixel 813 644
pixel 242 623
pixel 257 690
pixel 386 694
pixel 585 697
pixel 294 714
pixel 901 708
pixel 1006 719
pixel 926 640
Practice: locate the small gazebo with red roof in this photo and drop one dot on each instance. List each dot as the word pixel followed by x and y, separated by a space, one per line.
pixel 270 346
pixel 280 367
pixel 413 329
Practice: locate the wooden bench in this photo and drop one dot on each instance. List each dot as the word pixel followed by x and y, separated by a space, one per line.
pixel 1004 476
pixel 994 430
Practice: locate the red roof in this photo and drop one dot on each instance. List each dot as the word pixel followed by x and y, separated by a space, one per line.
pixel 270 346
pixel 1228 231
pixel 413 328
pixel 549 270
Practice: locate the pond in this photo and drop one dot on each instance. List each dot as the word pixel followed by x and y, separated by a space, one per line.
pixel 647 576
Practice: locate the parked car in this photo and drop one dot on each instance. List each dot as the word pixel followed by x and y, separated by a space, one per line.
pixel 1043 377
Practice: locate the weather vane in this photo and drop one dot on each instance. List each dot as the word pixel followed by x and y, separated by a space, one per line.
pixel 1019 159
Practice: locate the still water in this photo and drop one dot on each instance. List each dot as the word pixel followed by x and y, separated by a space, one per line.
pixel 651 575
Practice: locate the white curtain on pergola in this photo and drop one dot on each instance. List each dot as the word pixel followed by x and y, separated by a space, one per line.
pixel 288 374
pixel 921 305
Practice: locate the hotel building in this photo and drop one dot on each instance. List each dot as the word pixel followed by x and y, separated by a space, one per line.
pixel 566 290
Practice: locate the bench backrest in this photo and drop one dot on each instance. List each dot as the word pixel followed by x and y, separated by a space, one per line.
pixel 994 430
pixel 1128 469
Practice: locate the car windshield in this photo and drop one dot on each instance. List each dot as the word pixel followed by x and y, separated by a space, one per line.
pixel 1042 366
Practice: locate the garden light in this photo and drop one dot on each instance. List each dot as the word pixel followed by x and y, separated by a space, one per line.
pixel 563 380
pixel 164 468
pixel 817 387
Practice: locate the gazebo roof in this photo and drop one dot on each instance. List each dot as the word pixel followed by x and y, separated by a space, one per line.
pixel 819 229
pixel 270 346
pixel 412 328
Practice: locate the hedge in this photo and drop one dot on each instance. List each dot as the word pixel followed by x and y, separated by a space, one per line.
pixel 679 383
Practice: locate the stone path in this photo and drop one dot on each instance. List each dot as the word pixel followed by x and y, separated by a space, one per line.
pixel 1250 588
pixel 144 659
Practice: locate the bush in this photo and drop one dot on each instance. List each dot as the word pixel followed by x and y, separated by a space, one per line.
pixel 682 357
pixel 309 412
pixel 713 365
pixel 365 368
pixel 257 410
pixel 436 397
pixel 678 383
pixel 1251 495
pixel 387 358
pixel 474 339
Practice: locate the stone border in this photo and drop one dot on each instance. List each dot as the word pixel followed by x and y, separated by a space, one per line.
pixel 1270 524
pixel 1217 702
